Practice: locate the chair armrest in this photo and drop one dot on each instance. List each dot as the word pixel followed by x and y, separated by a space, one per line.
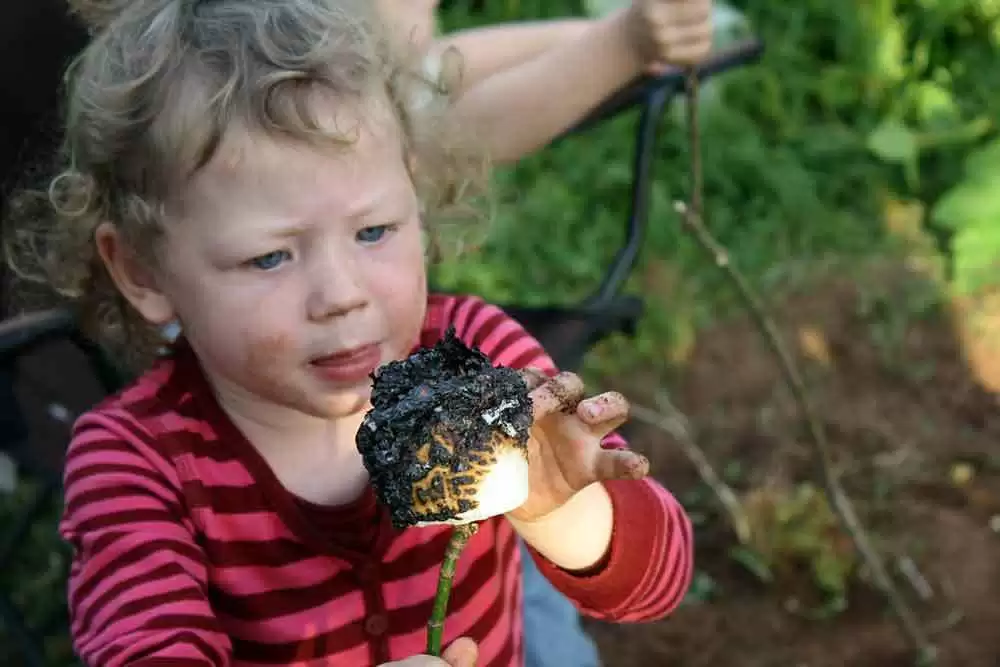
pixel 639 90
pixel 22 333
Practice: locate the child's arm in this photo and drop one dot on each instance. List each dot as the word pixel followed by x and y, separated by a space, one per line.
pixel 622 549
pixel 138 582
pixel 521 108
pixel 491 49
pixel 555 75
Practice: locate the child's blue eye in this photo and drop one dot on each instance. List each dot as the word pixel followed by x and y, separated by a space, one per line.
pixel 373 234
pixel 271 260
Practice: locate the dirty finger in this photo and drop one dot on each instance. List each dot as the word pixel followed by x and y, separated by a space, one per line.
pixel 533 377
pixel 603 407
pixel 561 393
pixel 620 464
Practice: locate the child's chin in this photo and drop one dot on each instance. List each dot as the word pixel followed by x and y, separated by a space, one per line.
pixel 346 403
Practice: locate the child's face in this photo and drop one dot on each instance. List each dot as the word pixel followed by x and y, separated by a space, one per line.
pixel 296 272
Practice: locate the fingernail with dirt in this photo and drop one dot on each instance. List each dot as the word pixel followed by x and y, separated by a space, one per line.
pixel 622 464
pixel 567 389
pixel 533 377
pixel 637 467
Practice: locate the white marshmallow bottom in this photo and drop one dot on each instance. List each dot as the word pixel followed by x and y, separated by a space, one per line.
pixel 502 489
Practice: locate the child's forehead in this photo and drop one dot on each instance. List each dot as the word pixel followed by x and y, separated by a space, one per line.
pixel 365 143
pixel 297 178
pixel 350 133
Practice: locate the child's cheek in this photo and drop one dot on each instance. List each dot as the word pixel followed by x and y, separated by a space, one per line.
pixel 266 354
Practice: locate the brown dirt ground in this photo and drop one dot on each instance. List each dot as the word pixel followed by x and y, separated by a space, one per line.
pixel 900 414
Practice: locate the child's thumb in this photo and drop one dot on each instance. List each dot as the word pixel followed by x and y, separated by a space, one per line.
pixel 463 652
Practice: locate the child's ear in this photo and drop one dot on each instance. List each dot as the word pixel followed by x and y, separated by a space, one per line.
pixel 134 279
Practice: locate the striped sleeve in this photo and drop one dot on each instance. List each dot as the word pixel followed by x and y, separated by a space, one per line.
pixel 137 589
pixel 650 562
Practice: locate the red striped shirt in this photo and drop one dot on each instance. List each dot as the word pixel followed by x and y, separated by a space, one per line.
pixel 188 551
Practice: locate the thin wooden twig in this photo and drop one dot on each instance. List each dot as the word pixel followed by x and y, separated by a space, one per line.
pixel 921 586
pixel 669 420
pixel 692 217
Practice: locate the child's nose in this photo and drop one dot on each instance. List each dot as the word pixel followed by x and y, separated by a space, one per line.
pixel 336 289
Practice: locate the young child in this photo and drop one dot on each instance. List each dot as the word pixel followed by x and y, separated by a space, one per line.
pixel 251 169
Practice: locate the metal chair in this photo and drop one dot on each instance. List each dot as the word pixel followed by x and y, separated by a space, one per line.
pixel 568 332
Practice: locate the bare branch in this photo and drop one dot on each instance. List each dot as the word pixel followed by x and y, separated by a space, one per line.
pixel 672 422
pixel 692 218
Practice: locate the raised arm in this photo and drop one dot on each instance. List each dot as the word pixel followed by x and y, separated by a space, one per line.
pixel 553 73
pixel 519 108
pixel 491 49
pixel 137 589
pixel 523 84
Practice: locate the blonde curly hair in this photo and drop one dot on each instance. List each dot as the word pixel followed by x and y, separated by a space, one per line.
pixel 150 99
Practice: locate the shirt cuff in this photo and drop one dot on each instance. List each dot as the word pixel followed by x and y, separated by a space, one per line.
pixel 615 579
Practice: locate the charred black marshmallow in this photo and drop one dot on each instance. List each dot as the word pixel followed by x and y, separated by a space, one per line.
pixel 446 439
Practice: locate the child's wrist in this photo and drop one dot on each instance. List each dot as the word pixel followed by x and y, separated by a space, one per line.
pixel 640 40
pixel 575 535
pixel 627 26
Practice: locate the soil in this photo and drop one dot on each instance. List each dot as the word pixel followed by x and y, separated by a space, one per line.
pixel 914 435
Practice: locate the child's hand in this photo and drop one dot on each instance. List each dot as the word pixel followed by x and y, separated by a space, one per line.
pixel 462 653
pixel 672 32
pixel 564 451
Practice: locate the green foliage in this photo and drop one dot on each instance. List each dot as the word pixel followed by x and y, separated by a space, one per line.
pixel 702 589
pixel 934 66
pixel 795 531
pixel 851 102
pixel 36 579
pixel 970 213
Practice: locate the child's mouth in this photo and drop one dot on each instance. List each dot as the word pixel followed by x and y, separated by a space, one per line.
pixel 349 366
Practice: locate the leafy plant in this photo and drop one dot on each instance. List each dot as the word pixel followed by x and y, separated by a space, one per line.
pixel 794 531
pixel 970 213
pixel 931 67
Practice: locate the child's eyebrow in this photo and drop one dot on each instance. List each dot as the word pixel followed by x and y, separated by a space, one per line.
pixel 291 227
pixel 383 199
pixel 290 230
